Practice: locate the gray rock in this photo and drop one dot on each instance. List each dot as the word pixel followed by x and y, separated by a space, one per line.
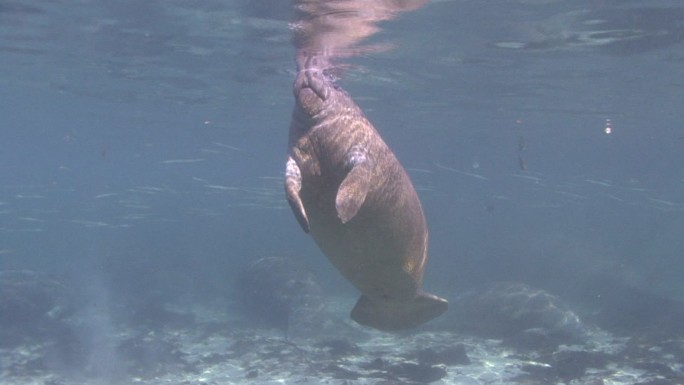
pixel 277 292
pixel 521 315
pixel 32 305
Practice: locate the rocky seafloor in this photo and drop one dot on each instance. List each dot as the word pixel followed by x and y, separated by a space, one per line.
pixel 210 345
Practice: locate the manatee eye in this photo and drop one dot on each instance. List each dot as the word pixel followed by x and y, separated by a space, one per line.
pixel 330 76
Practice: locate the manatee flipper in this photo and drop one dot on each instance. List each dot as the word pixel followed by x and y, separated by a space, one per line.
pixel 389 316
pixel 354 188
pixel 293 183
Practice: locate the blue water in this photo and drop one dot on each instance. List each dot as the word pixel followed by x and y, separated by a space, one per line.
pixel 142 144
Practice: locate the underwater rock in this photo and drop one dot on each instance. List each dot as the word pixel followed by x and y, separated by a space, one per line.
pixel 144 293
pixel 523 316
pixel 279 293
pixel 658 381
pixel 571 365
pixel 33 305
pixel 38 327
pixel 627 308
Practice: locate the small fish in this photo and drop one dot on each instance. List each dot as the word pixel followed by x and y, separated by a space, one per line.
pixel 177 161
pixel 136 216
pixel 572 195
pixel 664 202
pixel 615 198
pixel 29 196
pixel 137 206
pixel 105 195
pixel 546 206
pixel 210 151
pixel 598 182
pixel 529 177
pixel 424 188
pixel 150 188
pixel 221 187
pixel 31 219
pixel 88 223
pixel 478 176
pixel 147 190
pixel 228 146
pixel 424 171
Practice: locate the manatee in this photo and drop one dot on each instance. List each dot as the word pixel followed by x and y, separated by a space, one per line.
pixel 350 193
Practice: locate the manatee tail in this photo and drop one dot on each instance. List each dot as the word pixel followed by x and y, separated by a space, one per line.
pixel 390 316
